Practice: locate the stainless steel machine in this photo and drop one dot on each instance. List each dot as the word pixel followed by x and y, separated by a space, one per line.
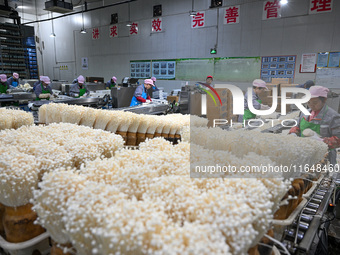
pixel 190 100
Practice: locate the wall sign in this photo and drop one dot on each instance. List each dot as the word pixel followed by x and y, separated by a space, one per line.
pixel 320 6
pixel 271 10
pixel 308 63
pixel 140 69
pixel 232 15
pixel 84 63
pixel 156 25
pixel 322 59
pixel 277 67
pixel 334 59
pixel 198 20
pixel 164 69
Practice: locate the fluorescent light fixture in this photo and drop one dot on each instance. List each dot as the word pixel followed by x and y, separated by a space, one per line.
pixel 22 7
pixel 83 31
pixel 52 35
pixel 193 13
pixel 283 2
pixel 128 24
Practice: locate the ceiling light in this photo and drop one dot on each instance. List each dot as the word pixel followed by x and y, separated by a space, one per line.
pixel 128 24
pixel 283 2
pixel 52 35
pixel 83 31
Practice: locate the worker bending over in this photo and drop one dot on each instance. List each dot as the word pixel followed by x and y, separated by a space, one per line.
pixel 79 89
pixel 323 120
pixel 14 80
pixel 3 84
pixel 43 90
pixel 111 83
pixel 141 93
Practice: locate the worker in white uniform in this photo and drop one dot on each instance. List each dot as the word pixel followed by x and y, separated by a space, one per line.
pixel 323 120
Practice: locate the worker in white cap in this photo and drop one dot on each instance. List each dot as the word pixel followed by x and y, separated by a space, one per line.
pixel 14 80
pixel 43 90
pixel 324 121
pixel 141 93
pixel 258 87
pixel 111 83
pixel 79 89
pixel 3 84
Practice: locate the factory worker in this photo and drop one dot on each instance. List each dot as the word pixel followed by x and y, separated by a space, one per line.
pixel 141 93
pixel 323 120
pixel 111 83
pixel 14 80
pixel 43 90
pixel 3 84
pixel 37 82
pixel 209 80
pixel 79 89
pixel 307 84
pixel 154 84
pixel 258 87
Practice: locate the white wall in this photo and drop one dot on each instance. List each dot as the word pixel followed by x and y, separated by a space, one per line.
pixel 295 33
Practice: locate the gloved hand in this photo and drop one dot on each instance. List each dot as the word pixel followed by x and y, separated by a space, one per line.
pixel 8 91
pixel 76 95
pixel 44 96
pixel 149 98
pixel 332 142
pixel 264 107
pixel 148 101
pixel 294 130
pixel 140 99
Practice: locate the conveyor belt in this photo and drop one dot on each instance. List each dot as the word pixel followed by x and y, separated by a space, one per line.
pixel 151 109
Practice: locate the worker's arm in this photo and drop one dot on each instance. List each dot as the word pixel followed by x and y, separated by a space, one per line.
pixel 74 91
pixel 138 91
pixel 333 141
pixel 87 90
pixel 37 91
pixel 296 129
pixel 256 104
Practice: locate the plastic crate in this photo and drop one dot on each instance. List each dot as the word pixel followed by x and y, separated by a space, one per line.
pixel 40 243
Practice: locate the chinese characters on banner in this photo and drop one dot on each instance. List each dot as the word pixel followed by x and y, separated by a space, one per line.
pixel 320 6
pixel 198 20
pixel 95 33
pixel 134 28
pixel 271 9
pixel 113 31
pixel 232 15
pixel 156 25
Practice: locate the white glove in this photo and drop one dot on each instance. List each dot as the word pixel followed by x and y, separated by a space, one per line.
pixel 76 95
pixel 148 101
pixel 264 107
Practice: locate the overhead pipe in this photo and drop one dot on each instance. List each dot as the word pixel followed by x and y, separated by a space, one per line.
pixel 74 13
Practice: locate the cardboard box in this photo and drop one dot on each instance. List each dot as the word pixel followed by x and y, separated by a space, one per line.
pixel 282 80
pixel 219 111
pixel 172 98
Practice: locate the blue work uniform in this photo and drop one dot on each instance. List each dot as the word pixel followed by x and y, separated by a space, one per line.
pixel 139 92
